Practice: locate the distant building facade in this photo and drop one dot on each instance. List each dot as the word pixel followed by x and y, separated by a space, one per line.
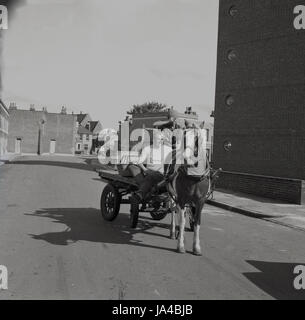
pixel 83 141
pixel 87 134
pixel 41 132
pixel 4 125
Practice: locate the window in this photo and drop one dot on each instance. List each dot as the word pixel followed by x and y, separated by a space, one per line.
pixel 78 146
pixel 208 134
pixel 86 147
pixel 229 100
pixel 227 146
pixel 208 154
pixel 3 124
pixel 231 54
pixel 233 11
pixel 87 137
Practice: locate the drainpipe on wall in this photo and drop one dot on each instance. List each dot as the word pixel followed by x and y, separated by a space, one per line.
pixel 40 124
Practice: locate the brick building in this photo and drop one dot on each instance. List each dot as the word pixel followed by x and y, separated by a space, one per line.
pixel 39 131
pixel 4 122
pixel 259 137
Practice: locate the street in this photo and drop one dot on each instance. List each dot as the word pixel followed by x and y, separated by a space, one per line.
pixel 56 245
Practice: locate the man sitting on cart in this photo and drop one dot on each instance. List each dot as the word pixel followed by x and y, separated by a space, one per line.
pixel 152 161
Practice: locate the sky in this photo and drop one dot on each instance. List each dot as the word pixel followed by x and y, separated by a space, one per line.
pixel 102 56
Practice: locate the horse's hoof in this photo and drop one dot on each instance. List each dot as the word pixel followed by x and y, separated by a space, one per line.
pixel 197 252
pixel 180 250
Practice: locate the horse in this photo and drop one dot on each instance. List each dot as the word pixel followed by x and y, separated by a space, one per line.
pixel 189 193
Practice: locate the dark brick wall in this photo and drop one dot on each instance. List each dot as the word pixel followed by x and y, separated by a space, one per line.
pixel 289 190
pixel 24 124
pixel 261 66
pixel 266 79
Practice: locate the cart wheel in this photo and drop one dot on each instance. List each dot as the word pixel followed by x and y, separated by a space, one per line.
pixel 190 211
pixel 158 215
pixel 134 215
pixel 110 202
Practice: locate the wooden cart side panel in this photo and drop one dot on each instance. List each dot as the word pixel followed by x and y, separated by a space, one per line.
pixel 115 177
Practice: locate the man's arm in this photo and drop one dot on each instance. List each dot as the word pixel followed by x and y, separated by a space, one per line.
pixel 143 157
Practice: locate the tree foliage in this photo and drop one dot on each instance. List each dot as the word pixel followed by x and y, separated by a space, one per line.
pixel 147 107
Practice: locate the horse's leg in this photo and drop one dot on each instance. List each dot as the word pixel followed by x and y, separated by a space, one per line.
pixel 181 212
pixel 197 222
pixel 173 224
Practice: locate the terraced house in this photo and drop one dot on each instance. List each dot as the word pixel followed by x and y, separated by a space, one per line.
pixel 87 134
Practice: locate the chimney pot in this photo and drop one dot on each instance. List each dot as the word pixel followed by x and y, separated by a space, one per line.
pixel 63 110
pixel 13 106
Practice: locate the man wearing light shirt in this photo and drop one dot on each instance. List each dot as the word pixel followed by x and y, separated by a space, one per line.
pixel 154 157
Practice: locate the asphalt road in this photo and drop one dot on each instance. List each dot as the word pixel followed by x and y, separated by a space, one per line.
pixel 56 245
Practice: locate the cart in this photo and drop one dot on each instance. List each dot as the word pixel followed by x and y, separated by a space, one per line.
pixel 119 190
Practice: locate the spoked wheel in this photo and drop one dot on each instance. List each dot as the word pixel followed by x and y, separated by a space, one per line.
pixel 110 202
pixel 134 215
pixel 190 211
pixel 158 215
pixel 161 211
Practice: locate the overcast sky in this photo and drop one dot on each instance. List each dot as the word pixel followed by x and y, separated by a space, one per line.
pixel 102 56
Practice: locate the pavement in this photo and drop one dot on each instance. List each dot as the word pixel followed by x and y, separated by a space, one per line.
pixel 56 245
pixel 7 157
pixel 275 211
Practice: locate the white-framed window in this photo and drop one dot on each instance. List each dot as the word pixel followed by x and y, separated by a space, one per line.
pixel 3 124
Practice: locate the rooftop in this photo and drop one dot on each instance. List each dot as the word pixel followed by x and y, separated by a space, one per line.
pixel 93 124
pixel 83 130
pixel 81 117
pixel 3 106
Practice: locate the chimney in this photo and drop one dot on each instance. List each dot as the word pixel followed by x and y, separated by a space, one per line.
pixel 63 110
pixel 188 110
pixel 13 106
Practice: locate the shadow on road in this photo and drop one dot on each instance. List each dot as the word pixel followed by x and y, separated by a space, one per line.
pixel 87 224
pixel 87 165
pixel 276 279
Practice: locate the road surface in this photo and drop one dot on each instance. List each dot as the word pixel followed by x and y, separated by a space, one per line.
pixel 56 245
